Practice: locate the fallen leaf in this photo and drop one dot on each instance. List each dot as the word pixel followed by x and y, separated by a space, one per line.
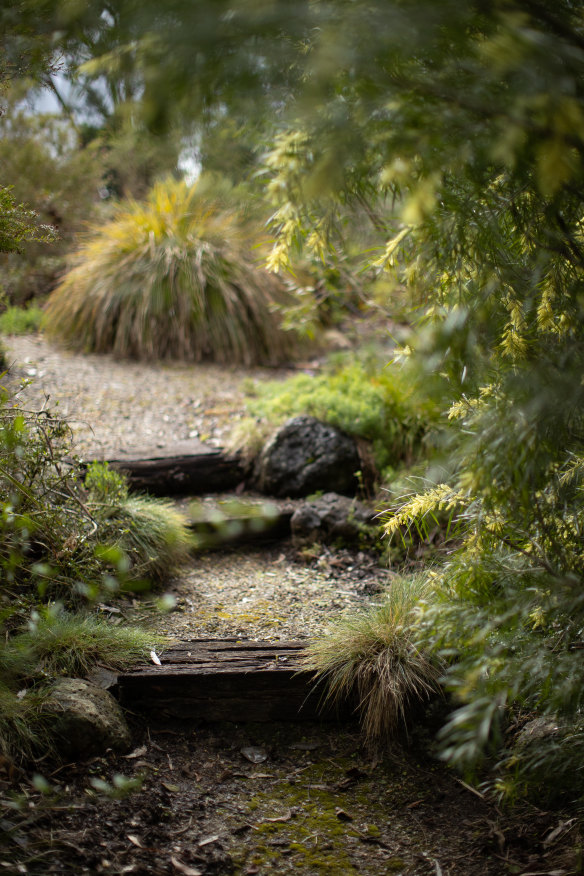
pixel 184 868
pixel 135 841
pixel 208 840
pixel 286 817
pixel 138 752
pixel 254 755
pixel 342 815
pixel 155 658
pixel 557 831
pixel 169 787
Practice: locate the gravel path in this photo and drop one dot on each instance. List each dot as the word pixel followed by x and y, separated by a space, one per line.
pixel 115 407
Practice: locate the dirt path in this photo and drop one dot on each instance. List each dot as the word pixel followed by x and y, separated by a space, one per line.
pixel 116 406
pixel 315 803
pixel 242 799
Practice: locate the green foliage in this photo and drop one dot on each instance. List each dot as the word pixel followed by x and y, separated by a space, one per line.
pixel 170 278
pixel 22 730
pixel 40 156
pixel 382 406
pixel 374 655
pixel 59 542
pixel 56 643
pixel 21 320
pixel 105 484
pixel 18 224
pixel 151 534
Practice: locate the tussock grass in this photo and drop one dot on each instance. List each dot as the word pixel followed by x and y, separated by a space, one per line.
pixel 171 278
pixel 60 643
pixel 56 643
pixel 22 730
pixel 374 655
pixel 152 533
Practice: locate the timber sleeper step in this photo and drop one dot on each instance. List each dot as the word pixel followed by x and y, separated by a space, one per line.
pixel 226 680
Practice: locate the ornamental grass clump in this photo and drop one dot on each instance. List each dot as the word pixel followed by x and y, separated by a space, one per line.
pixel 374 655
pixel 150 536
pixel 172 277
pixel 57 642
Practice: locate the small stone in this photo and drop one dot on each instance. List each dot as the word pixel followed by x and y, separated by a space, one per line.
pixel 332 518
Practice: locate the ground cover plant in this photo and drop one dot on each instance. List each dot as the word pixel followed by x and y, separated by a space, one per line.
pixel 21 320
pixel 380 405
pixel 64 546
pixel 171 277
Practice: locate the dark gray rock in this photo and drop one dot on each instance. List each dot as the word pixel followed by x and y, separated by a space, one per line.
pixel 305 456
pixel 84 719
pixel 333 518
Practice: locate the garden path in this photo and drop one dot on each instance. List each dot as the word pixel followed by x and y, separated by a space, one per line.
pixel 316 802
pixel 115 407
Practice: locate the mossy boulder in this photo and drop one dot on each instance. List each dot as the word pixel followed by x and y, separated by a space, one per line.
pixel 84 719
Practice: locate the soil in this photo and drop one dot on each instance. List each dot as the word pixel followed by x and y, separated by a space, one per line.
pixel 245 799
pixel 314 802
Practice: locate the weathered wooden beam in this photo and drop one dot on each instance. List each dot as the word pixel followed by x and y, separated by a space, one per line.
pixel 182 474
pixel 242 530
pixel 226 680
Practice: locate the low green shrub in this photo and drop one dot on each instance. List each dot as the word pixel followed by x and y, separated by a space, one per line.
pixel 378 404
pixel 21 320
pixel 374 655
pixel 63 546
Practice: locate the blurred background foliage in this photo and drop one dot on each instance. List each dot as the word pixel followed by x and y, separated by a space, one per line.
pixel 453 135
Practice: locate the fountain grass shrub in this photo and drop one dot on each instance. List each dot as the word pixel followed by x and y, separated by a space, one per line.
pixel 373 655
pixel 172 277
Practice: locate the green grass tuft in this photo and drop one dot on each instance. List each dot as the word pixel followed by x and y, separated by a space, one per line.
pixel 152 533
pixel 59 643
pixel 171 278
pixel 374 655
pixel 21 320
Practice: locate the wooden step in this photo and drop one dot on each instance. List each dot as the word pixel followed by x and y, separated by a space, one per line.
pixel 172 473
pixel 226 680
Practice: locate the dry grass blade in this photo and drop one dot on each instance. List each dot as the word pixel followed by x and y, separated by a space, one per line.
pixel 374 655
pixel 171 278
